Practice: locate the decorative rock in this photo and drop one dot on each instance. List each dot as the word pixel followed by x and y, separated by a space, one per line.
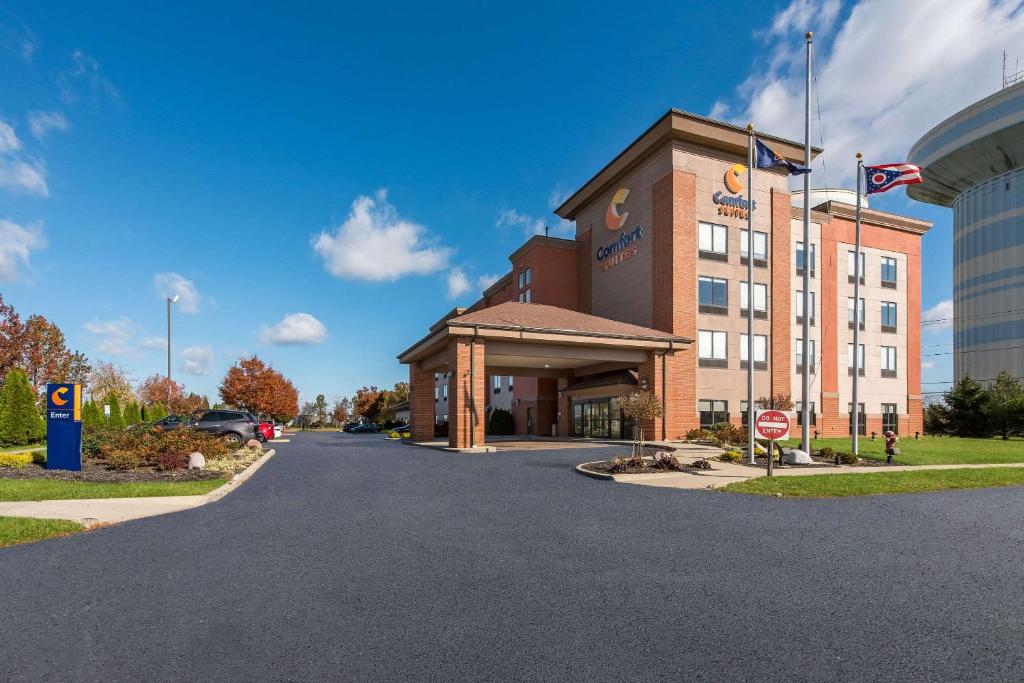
pixel 253 443
pixel 795 456
pixel 196 461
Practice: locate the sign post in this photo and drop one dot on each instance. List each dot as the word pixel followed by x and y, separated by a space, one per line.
pixel 64 427
pixel 772 425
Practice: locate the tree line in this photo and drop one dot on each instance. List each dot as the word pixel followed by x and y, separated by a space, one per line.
pixel 370 404
pixel 971 410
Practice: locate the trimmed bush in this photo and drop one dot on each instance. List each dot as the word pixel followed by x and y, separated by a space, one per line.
pixel 848 458
pixel 115 421
pixel 731 456
pixel 827 452
pixel 501 422
pixel 669 463
pixel 15 459
pixel 727 432
pixel 20 421
pixel 163 449
pixel 124 460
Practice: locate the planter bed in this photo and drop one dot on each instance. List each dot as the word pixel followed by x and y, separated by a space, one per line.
pixel 605 467
pixel 98 471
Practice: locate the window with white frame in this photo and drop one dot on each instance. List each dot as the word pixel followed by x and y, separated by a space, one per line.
pixel 888 316
pixel 712 240
pixel 888 361
pixel 444 391
pixel 850 263
pixel 760 245
pixel 712 412
pixel 800 305
pixel 799 408
pixel 801 258
pixel 760 298
pixel 888 273
pixel 860 359
pixel 711 348
pixel 849 312
pixel 712 295
pixel 760 351
pixel 800 355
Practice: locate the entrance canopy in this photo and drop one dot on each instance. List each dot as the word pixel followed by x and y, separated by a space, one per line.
pixel 535 340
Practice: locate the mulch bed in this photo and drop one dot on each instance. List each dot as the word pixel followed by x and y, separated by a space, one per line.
pixel 606 466
pixel 97 471
pixel 761 462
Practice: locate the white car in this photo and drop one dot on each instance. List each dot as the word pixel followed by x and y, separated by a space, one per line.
pixel 278 431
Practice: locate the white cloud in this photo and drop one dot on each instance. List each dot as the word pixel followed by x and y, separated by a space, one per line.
pixel 881 86
pixel 458 283
pixel 175 285
pixel 84 78
pixel 16 243
pixel 114 337
pixel 196 360
pixel 530 225
pixel 19 40
pixel 938 317
pixel 150 343
pixel 295 328
pixel 375 244
pixel 40 123
pixel 17 171
pixel 927 365
pixel 486 280
pixel 9 142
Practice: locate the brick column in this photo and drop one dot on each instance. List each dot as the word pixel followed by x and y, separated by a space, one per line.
pixel 674 271
pixel 834 420
pixel 781 294
pixel 583 260
pixel 915 409
pixel 421 403
pixel 465 417
pixel 564 407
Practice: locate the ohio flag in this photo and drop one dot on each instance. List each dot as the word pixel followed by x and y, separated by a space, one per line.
pixel 888 176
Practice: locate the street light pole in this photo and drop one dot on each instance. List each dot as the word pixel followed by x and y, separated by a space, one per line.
pixel 170 300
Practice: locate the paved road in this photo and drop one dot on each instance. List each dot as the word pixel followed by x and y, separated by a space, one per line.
pixel 351 558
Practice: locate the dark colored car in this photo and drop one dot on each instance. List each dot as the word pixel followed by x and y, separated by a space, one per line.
pixel 350 426
pixel 174 422
pixel 234 426
pixel 367 427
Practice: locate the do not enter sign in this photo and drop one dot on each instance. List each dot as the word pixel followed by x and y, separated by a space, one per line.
pixel 771 424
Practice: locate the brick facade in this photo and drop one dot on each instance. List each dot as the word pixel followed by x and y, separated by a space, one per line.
pixel 421 403
pixel 780 356
pixel 466 417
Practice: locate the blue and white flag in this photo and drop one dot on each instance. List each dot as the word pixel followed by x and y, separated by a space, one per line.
pixel 766 158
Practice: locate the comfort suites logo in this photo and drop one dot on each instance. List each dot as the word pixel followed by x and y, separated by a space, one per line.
pixel 612 218
pixel 626 246
pixel 737 207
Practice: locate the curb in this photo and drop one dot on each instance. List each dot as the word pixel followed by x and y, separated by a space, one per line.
pixel 238 479
pixel 594 475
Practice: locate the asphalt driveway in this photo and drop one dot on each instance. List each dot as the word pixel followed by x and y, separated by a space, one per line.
pixel 349 557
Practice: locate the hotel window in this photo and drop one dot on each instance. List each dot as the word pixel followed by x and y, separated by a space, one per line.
pixel 800 258
pixel 890 421
pixel 525 277
pixel 888 316
pixel 712 295
pixel 849 312
pixel 444 391
pixel 800 306
pixel 760 248
pixel 760 352
pixel 510 384
pixel 437 393
pixel 862 419
pixel 810 355
pixel 760 299
pixel 849 360
pixel 888 361
pixel 889 272
pixel 743 413
pixel 712 241
pixel 711 351
pixel 850 274
pixel 799 407
pixel 712 411
pixel 444 418
pixel 496 383
pixel 524 297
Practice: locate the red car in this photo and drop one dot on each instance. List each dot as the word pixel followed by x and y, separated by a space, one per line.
pixel 266 430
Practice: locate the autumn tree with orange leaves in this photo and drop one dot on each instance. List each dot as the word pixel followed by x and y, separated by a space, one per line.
pixel 37 346
pixel 170 394
pixel 252 385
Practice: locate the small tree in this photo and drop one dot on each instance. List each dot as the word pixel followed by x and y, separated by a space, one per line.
pixel 115 419
pixel 1004 405
pixel 20 422
pixel 965 402
pixel 641 407
pixel 155 411
pixel 775 402
pixel 320 410
pixel 935 418
pixel 91 414
pixel 132 414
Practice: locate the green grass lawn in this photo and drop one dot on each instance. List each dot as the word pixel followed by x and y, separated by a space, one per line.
pixel 839 485
pixel 55 489
pixel 19 449
pixel 25 529
pixel 931 450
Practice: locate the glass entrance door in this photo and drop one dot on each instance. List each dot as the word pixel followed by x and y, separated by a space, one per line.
pixel 600 418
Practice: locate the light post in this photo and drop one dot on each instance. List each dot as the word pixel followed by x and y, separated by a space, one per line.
pixel 170 300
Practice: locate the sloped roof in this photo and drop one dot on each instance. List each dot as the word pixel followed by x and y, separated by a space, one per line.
pixel 541 317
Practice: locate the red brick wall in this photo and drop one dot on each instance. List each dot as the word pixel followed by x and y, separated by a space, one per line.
pixel 674 224
pixel 421 404
pixel 462 429
pixel 583 256
pixel 552 276
pixel 781 358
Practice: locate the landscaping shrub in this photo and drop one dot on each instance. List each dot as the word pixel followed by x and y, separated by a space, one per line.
pixel 848 458
pixel 20 421
pixel 163 449
pixel 234 462
pixel 698 435
pixel 731 456
pixel 669 463
pixel 124 460
pixel 15 459
pixel 620 465
pixel 827 452
pixel 501 422
pixel 168 460
pixel 727 432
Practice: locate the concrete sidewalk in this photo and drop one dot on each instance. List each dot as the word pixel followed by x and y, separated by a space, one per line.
pixel 92 511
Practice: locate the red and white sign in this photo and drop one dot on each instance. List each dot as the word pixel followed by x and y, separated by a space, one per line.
pixel 771 424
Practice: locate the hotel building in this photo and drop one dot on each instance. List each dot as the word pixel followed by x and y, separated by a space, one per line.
pixel 651 294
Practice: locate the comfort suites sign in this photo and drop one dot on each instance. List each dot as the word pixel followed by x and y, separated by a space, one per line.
pixel 626 246
pixel 729 205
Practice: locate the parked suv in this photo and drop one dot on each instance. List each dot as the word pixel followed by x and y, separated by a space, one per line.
pixel 234 426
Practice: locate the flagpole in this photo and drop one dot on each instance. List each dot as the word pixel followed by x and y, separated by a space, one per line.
pixel 805 376
pixel 750 292
pixel 855 411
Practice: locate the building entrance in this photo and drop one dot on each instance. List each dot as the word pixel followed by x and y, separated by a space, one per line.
pixel 600 418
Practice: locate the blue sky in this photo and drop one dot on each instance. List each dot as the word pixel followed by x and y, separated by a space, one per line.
pixel 370 167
